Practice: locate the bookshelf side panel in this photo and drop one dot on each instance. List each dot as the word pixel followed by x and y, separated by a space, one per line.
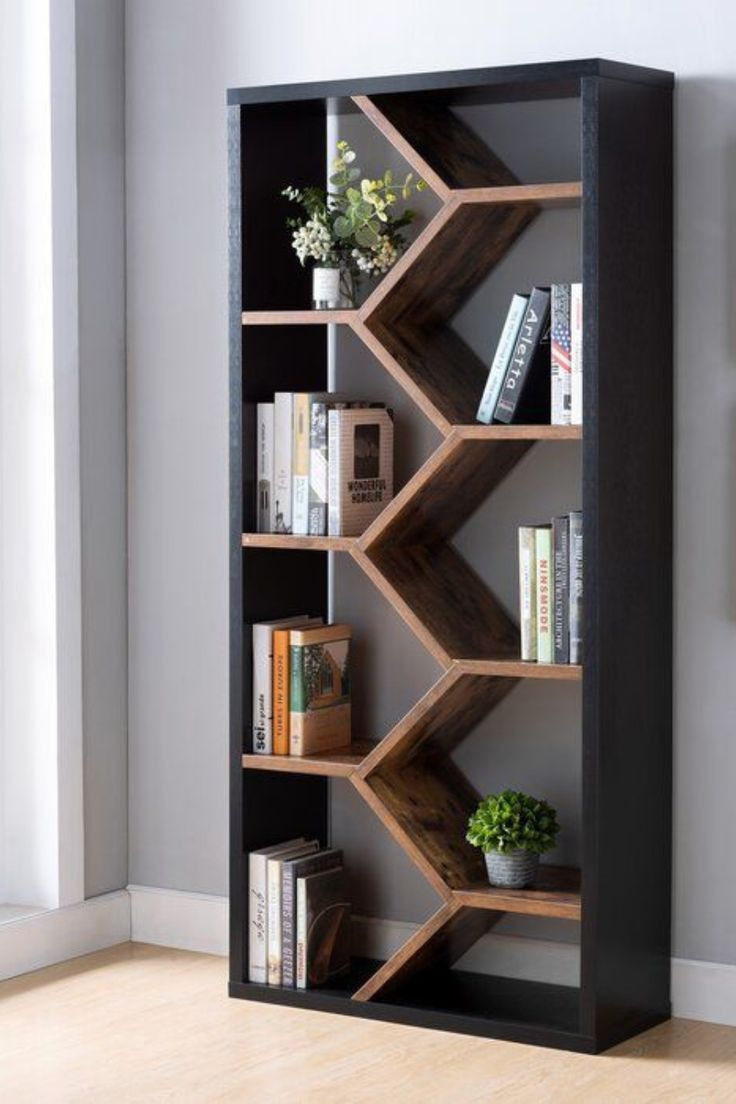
pixel 627 501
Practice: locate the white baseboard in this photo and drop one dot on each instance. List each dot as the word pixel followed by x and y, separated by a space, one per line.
pixel 199 922
pixel 172 918
pixel 46 938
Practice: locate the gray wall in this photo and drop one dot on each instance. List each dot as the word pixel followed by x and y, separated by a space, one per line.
pixel 101 230
pixel 181 55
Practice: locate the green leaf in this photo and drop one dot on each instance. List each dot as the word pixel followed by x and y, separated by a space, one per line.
pixel 342 227
pixel 366 236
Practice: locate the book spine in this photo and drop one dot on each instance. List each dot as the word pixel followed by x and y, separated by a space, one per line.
pixel 561 560
pixel 301 934
pixel 264 467
pixel 318 469
pixel 576 354
pixel 282 444
pixel 297 698
pixel 543 542
pixel 262 690
pixel 257 919
pixel 281 692
pixel 530 333
pixel 576 587
pixel 528 592
pixel 334 510
pixel 561 355
pixel 273 921
pixel 300 465
pixel 288 926
pixel 504 349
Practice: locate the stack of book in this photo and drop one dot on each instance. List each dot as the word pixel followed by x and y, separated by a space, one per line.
pixel 298 915
pixel 324 464
pixel 551 590
pixel 301 686
pixel 536 377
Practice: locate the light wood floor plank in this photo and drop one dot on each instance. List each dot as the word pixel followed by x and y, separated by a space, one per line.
pixel 147 1024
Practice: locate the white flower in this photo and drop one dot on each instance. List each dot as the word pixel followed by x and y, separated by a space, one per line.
pixel 313 240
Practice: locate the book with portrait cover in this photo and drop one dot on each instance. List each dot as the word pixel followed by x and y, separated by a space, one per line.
pixel 360 468
pixel 322 928
pixel 319 705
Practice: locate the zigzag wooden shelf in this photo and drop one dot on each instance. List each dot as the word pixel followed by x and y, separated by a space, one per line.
pixel 409 778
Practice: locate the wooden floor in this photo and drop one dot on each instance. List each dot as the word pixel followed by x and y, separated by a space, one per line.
pixel 140 1023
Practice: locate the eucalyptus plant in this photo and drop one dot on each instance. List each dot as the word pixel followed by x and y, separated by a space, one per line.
pixel 513 821
pixel 355 222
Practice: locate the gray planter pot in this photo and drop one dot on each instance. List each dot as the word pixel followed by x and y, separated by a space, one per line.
pixel 511 869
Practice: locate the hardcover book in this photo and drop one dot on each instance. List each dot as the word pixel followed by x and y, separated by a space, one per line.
pixel 525 396
pixel 361 468
pixel 561 561
pixel 501 359
pixel 528 592
pixel 322 928
pixel 576 587
pixel 300 464
pixel 319 706
pixel 263 681
pixel 258 908
pixel 576 354
pixel 282 446
pixel 264 467
pixel 291 870
pixel 561 344
pixel 543 541
pixel 281 692
pixel 273 908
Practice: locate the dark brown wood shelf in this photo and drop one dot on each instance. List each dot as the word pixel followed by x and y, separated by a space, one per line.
pixel 621 194
pixel 556 892
pixel 329 764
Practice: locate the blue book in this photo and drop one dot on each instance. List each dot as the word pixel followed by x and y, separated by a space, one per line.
pixel 504 349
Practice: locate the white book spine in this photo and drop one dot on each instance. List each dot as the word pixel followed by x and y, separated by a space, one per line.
pixel 334 511
pixel 545 635
pixel 273 921
pixel 262 689
pixel 504 349
pixel 301 934
pixel 282 442
pixel 528 592
pixel 300 465
pixel 561 343
pixel 576 353
pixel 257 918
pixel 264 467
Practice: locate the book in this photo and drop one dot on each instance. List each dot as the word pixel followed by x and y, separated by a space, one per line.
pixel 291 870
pixel 263 680
pixel 258 908
pixel 281 692
pixel 273 907
pixel 543 544
pixel 360 466
pixel 283 402
pixel 264 467
pixel 576 587
pixel 576 354
pixel 319 705
pixel 561 588
pixel 322 928
pixel 525 395
pixel 300 464
pixel 501 358
pixel 561 343
pixel 317 524
pixel 528 592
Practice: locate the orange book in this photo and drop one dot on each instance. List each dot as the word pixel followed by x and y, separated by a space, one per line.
pixel 281 692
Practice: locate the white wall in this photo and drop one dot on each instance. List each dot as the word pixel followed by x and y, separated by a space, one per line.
pixel 181 56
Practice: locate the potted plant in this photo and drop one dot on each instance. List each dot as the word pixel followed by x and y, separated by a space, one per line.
pixel 513 830
pixel 351 229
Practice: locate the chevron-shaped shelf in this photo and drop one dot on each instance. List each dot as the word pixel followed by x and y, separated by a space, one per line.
pixel 409 777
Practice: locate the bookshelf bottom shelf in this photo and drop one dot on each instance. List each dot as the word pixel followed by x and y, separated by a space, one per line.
pixel 448 1000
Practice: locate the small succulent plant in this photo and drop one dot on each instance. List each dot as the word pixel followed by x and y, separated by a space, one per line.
pixel 512 821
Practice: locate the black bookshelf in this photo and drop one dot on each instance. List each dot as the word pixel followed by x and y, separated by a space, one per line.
pixel 625 205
